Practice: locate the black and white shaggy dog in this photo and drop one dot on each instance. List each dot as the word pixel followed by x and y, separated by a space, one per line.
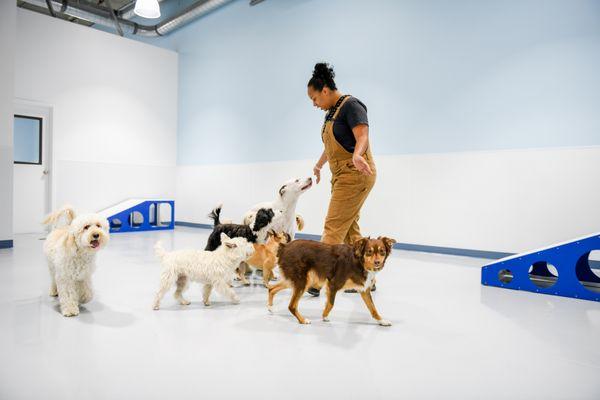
pixel 264 217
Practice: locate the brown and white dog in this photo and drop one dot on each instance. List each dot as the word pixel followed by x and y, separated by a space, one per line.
pixel 305 263
pixel 265 255
pixel 245 267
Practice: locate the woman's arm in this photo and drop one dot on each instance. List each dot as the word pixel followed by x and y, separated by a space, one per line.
pixel 361 134
pixel 319 165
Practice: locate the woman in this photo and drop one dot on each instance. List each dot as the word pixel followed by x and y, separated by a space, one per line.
pixel 345 136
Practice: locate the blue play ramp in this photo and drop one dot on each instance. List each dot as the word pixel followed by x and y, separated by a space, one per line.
pixel 564 269
pixel 135 215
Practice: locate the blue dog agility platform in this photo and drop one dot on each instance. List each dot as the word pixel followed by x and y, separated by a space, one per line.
pixel 563 269
pixel 135 215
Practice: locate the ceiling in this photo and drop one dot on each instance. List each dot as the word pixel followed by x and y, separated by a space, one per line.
pixel 120 9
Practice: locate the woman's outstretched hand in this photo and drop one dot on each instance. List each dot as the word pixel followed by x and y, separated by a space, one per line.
pixel 317 173
pixel 361 164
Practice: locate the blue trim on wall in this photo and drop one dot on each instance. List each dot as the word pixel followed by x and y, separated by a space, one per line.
pixel 6 244
pixel 492 255
pixel 193 225
pixel 308 236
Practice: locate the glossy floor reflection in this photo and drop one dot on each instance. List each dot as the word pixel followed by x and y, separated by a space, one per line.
pixel 451 338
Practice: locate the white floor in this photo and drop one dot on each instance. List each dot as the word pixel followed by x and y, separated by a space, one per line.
pixel 451 338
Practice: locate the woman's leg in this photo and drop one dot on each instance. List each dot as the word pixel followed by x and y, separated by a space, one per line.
pixel 348 194
pixel 347 198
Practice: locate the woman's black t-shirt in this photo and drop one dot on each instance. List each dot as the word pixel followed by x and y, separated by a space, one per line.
pixel 352 113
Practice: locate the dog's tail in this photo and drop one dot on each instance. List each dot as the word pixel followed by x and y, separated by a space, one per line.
pixel 66 214
pixel 299 222
pixel 215 215
pixel 159 250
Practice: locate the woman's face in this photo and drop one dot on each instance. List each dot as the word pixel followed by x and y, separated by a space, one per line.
pixel 320 98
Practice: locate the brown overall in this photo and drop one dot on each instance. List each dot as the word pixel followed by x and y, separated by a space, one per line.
pixel 349 187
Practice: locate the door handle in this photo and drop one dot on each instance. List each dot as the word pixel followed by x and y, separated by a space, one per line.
pixel 45 172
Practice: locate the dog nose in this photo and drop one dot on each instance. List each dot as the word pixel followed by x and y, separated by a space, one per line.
pixel 96 235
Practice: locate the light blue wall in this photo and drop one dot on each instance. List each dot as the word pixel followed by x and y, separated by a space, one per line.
pixel 26 140
pixel 437 76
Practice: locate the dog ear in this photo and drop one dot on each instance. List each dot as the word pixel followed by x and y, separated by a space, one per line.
pixel 359 246
pixel 288 237
pixel 224 237
pixel 70 245
pixel 282 190
pixel 388 242
pixel 263 218
pixel 299 222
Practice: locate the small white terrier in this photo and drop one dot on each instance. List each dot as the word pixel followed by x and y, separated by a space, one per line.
pixel 71 253
pixel 215 269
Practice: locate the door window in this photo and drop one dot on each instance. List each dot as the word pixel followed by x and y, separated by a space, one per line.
pixel 27 140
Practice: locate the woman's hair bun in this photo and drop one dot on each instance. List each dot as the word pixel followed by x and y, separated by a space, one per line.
pixel 324 71
pixel 322 76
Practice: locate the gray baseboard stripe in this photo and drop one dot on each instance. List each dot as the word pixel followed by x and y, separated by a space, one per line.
pixel 308 236
pixel 6 244
pixel 490 255
pixel 193 225
pixel 493 255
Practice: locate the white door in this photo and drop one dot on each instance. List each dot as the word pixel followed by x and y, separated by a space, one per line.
pixel 32 152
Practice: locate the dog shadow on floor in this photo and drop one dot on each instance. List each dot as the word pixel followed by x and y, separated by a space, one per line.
pixel 196 305
pixel 97 313
pixel 346 329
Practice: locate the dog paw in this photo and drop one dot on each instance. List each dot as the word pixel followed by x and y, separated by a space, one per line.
pixel 384 322
pixel 235 300
pixel 270 309
pixel 326 319
pixel 156 307
pixel 185 302
pixel 207 304
pixel 306 321
pixel 70 311
pixel 52 293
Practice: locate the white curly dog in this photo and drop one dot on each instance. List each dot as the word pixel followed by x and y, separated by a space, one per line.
pixel 215 269
pixel 71 249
